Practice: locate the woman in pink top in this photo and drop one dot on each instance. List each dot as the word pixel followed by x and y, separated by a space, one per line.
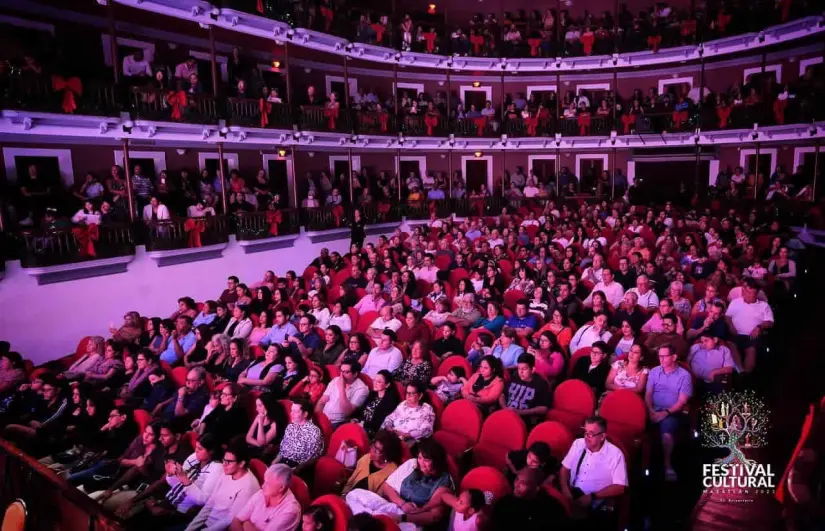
pixel 549 360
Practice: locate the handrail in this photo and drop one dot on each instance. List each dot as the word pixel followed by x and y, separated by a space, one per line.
pixel 41 248
pixel 174 105
pixel 249 112
pixel 59 95
pixel 51 501
pixel 183 233
pixel 260 225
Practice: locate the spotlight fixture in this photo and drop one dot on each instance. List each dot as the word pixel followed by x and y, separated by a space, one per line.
pixel 276 64
pixel 558 139
pixel 398 56
pixel 277 31
pixel 338 46
pixel 242 136
pixel 431 9
pixel 290 33
pixel 476 84
pixel 701 49
pixel 558 62
pixel 761 36
pixel 282 153
pixel 615 59
pixel 478 154
pixel 206 133
pixel 152 131
pixel 196 11
pixel 233 21
pixel 28 123
pixel 104 127
pixel 222 132
pixel 128 125
pixel 296 136
pixel 348 47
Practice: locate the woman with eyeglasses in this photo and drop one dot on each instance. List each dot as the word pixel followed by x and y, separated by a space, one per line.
pixel 357 350
pixel 373 469
pixel 228 419
pixel 593 369
pixel 414 418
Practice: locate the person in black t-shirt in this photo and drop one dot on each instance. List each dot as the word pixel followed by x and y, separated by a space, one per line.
pixel 593 369
pixel 529 507
pixel 527 393
pixel 539 456
pixel 448 344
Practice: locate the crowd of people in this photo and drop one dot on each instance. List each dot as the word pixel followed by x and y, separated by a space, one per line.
pixel 171 421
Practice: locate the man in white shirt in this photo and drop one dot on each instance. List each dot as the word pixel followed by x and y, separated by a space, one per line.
pixel 233 491
pixel 344 394
pixel 136 65
pixel 427 271
pixel 747 318
pixel 594 272
pixel 384 356
pixel 647 297
pixel 589 334
pixel 594 473
pixel 613 291
pixel 384 321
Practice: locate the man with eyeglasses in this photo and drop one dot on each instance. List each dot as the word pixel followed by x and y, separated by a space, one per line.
pixel 280 330
pixel 668 336
pixel 384 356
pixel 191 398
pixel 669 388
pixel 344 394
pixel 593 475
pixel 235 488
pixel 38 432
pixel 306 342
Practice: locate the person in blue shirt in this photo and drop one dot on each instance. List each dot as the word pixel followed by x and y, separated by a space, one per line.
pixel 280 331
pixel 208 314
pixel 523 322
pixel 494 321
pixel 506 349
pixel 306 341
pixel 190 399
pixel 180 342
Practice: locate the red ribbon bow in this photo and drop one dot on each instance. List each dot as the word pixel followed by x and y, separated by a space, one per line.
pixel 177 100
pixel 86 238
pixel 274 218
pixel 654 42
pixel 260 7
pixel 194 227
pixel 477 41
pixel 332 114
pixel 534 46
pixel 584 123
pixel 587 40
pixel 480 123
pixel 265 108
pixel 430 121
pixel 70 87
pixel 382 120
pixel 338 213
pixel 779 107
pixel 531 122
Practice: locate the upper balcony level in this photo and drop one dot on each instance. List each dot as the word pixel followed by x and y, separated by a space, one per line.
pixel 520 36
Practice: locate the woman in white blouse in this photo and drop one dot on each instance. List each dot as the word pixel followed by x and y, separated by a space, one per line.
pixel 240 326
pixel 87 215
pixel 320 312
pixel 413 419
pixel 340 318
pixel 439 315
pixel 628 373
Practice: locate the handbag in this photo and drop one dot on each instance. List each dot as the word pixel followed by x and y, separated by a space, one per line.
pixel 347 454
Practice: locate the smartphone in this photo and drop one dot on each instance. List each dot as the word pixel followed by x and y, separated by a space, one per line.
pixel 142 487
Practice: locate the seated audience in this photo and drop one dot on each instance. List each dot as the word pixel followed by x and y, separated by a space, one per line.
pixel 527 393
pixel 344 395
pixel 414 418
pixel 486 386
pixel 593 369
pixel 384 356
pixel 373 468
pixel 303 442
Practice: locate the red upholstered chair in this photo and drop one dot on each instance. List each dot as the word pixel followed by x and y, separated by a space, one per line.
pixel 512 296
pixel 485 478
pixel 555 493
pixel 322 421
pixel 626 416
pixel 571 363
pixel 502 432
pixel 340 511
pixel 142 419
pixel 471 337
pixel 573 401
pixel 329 476
pixel 460 427
pixel 299 488
pixel 442 262
pixel 438 405
pixel 349 432
pixel 365 320
pixel 190 437
pixel 308 272
pixel 454 361
pixel 179 376
pixel 354 317
pixel 258 469
pixel 457 274
pixel 555 434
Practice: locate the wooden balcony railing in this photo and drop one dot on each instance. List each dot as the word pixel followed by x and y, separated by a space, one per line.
pixel 422 125
pixel 375 123
pixel 472 127
pixel 152 104
pixel 186 233
pixel 381 212
pixel 52 503
pixel 59 95
pixel 248 112
pixel 324 218
pixel 77 244
pixel 318 118
pixel 261 225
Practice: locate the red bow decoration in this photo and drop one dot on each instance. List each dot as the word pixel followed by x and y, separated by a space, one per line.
pixel 382 120
pixel 379 30
pixel 679 117
pixel 338 213
pixel 688 28
pixel 86 238
pixel 584 123
pixel 628 120
pixel 265 108
pixel 480 123
pixel 260 7
pixel 274 218
pixel 332 114
pixel 430 121
pixel 383 209
pixel 429 38
pixel 194 227
pixel 654 42
pixel 534 46
pixel 587 40
pixel 779 111
pixel 531 123
pixel 177 100
pixel 477 41
pixel 478 204
pixel 70 87
pixel 432 207
pixel 723 113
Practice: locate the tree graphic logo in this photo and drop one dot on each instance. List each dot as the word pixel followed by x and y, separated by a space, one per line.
pixel 737 422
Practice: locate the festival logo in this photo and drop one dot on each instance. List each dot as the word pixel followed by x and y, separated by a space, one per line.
pixel 737 422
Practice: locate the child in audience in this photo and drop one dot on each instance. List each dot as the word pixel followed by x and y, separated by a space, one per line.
pixel 214 400
pixel 467 507
pixel 480 348
pixel 448 387
pixel 314 385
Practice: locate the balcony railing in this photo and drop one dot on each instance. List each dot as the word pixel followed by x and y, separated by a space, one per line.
pixel 174 106
pixel 77 244
pixel 261 225
pixel 59 95
pixel 186 233
pixel 375 123
pixel 51 502
pixel 324 218
pixel 317 118
pixel 259 113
